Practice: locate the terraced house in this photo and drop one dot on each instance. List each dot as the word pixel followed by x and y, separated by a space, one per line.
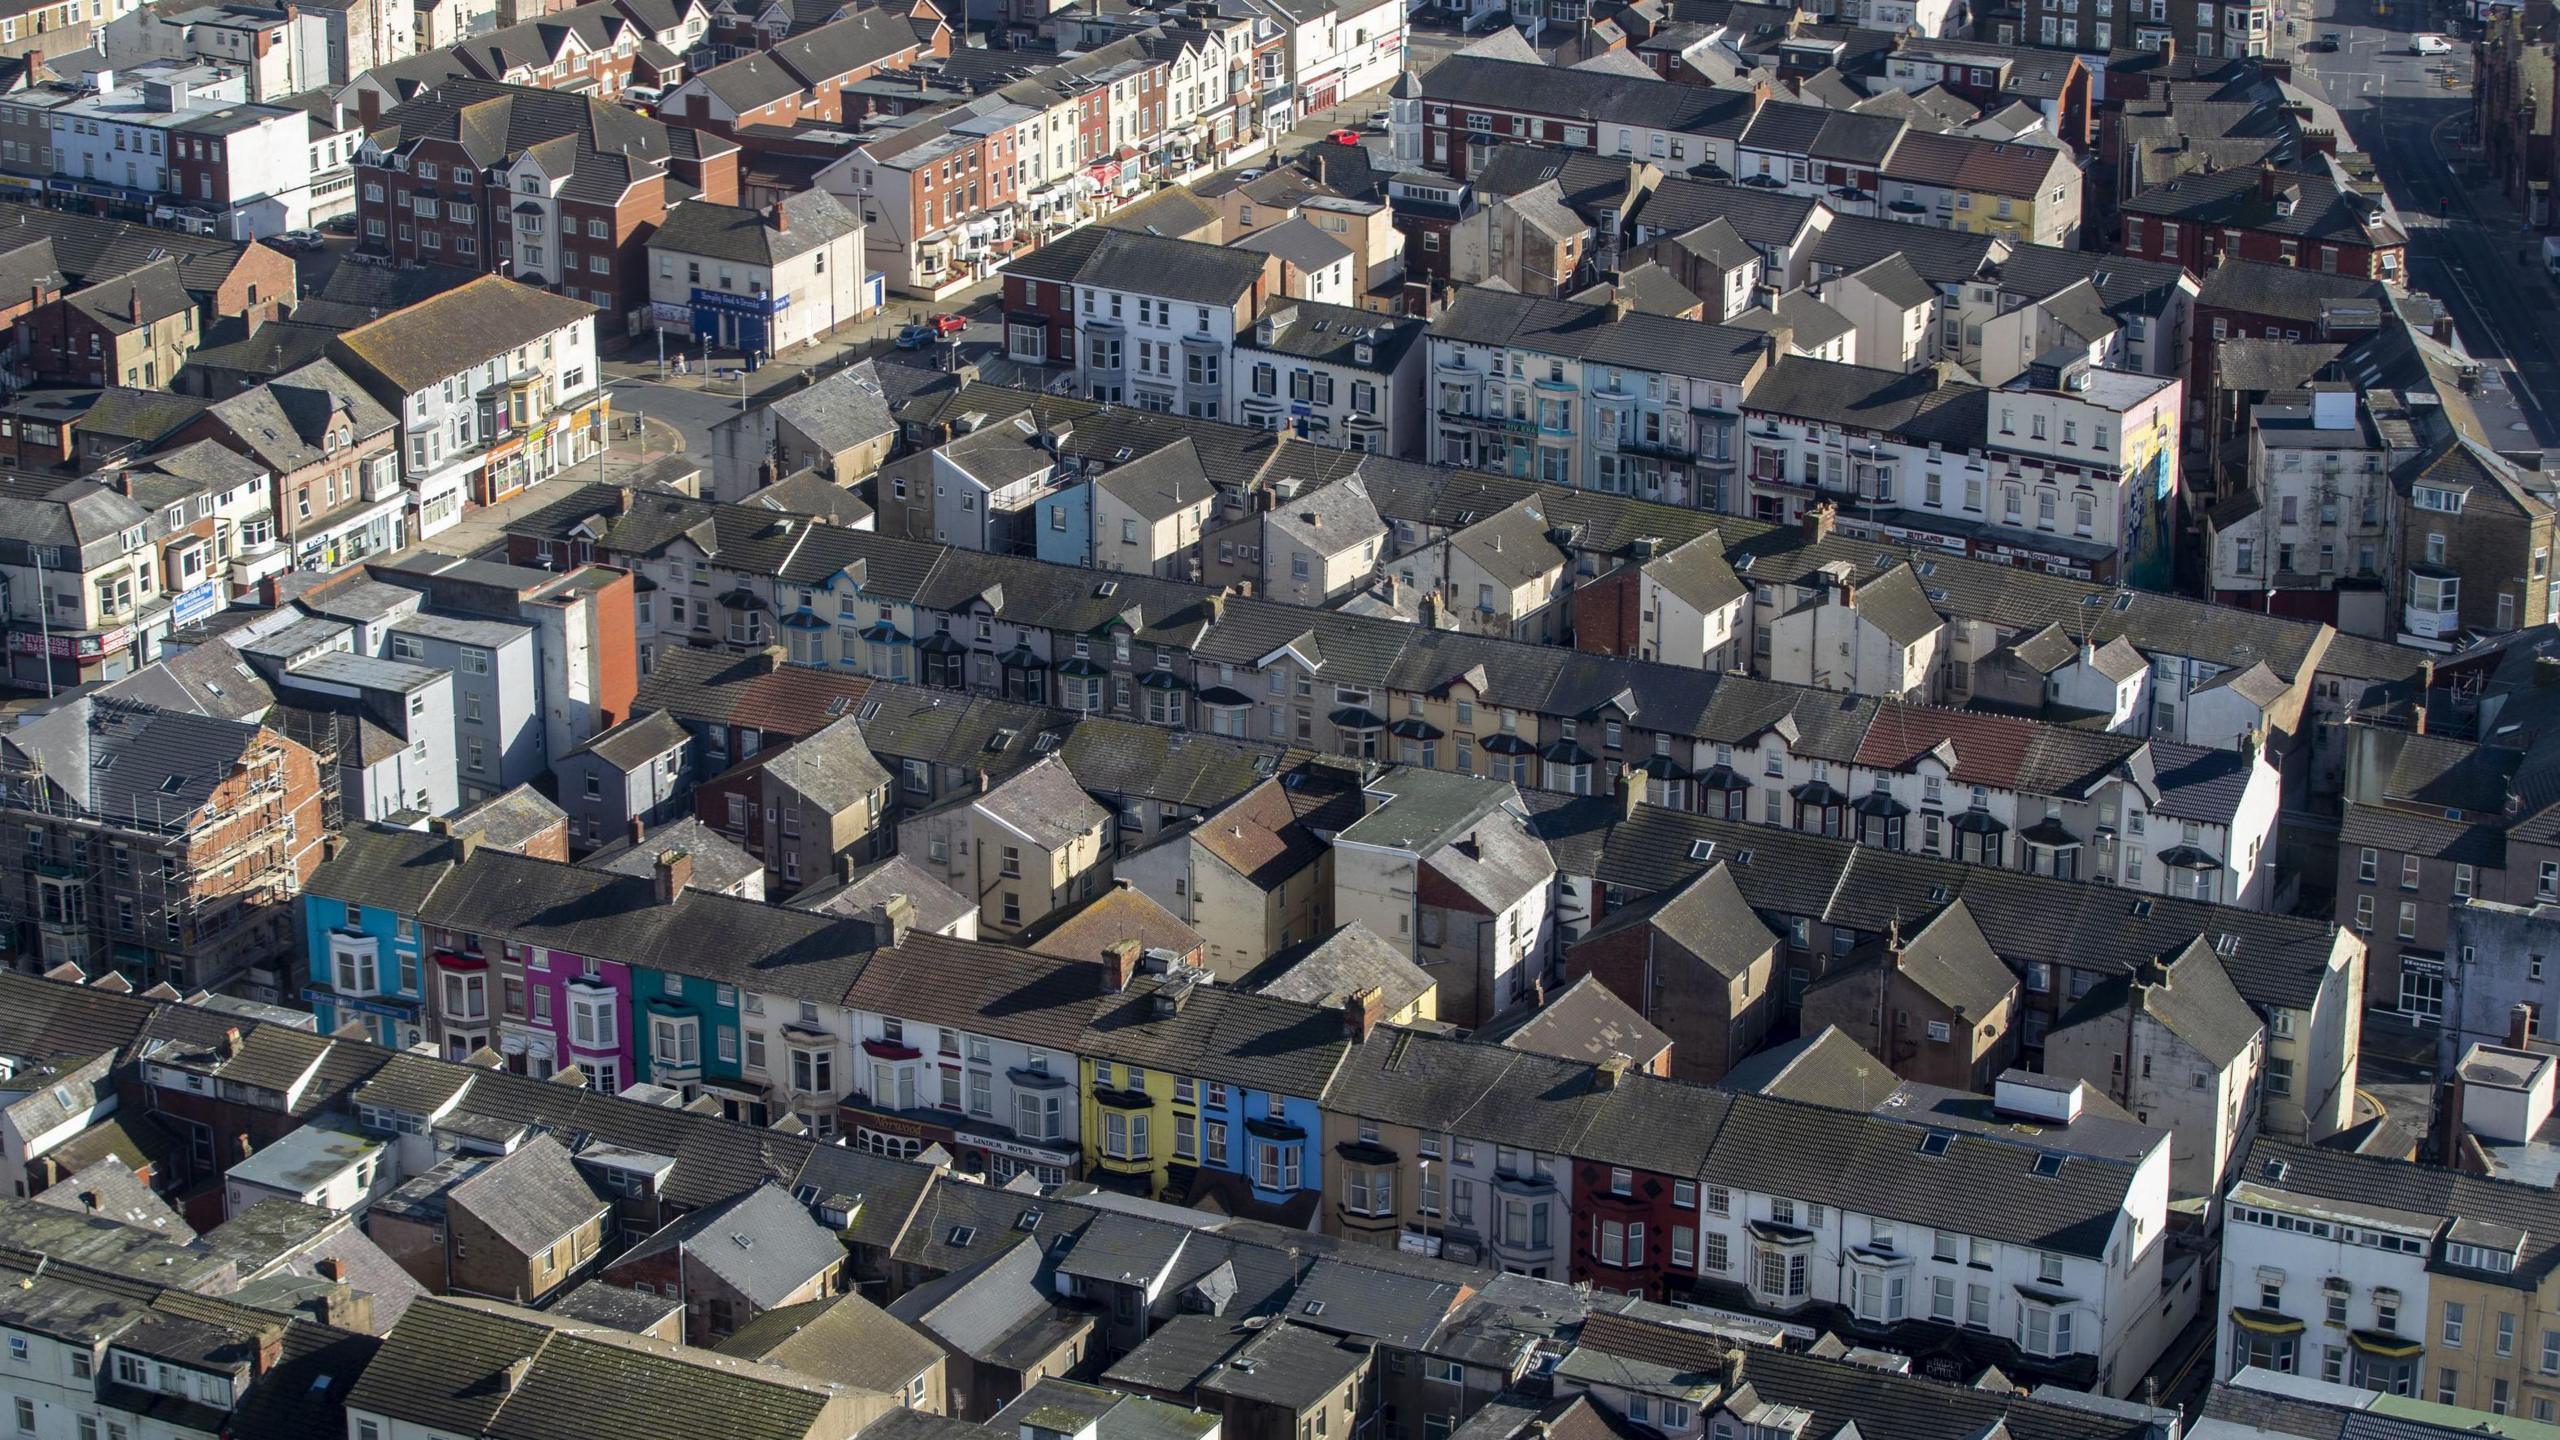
pixel 1197 1093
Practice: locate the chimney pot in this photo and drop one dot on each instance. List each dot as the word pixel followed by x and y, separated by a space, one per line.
pixel 1362 1010
pixel 674 871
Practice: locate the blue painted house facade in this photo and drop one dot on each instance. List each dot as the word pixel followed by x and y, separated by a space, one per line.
pixel 363 951
pixel 1064 528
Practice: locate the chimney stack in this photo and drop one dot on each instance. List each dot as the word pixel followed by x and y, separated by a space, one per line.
pixel 1611 1071
pixel 330 1267
pixel 674 872
pixel 1817 520
pixel 1362 1009
pixel 1119 965
pixel 639 829
pixel 134 303
pixel 1631 788
pixel 893 919
pixel 2519 1025
pixel 781 219
pixel 230 1042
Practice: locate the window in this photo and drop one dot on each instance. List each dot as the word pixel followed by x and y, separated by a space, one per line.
pixel 2453 1320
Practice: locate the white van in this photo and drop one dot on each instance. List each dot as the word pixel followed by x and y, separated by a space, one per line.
pixel 641 97
pixel 2430 45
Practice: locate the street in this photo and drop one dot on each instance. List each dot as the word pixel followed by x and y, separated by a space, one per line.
pixel 695 403
pixel 2464 242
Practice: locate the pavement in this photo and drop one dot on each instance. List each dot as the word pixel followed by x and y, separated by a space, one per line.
pixel 2467 246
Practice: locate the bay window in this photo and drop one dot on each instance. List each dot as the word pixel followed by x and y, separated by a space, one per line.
pixel 813 1072
pixel 2044 1329
pixel 355 963
pixel 1124 1136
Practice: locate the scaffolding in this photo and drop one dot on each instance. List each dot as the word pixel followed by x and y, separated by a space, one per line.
pixel 127 891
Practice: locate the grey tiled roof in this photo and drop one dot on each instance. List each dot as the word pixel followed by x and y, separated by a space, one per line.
pixel 1583 1021
pixel 2276 960
pixel 1280 1047
pixel 812 219
pixel 2189 993
pixel 1559 327
pixel 1587 95
pixel 762 1244
pixel 1328 970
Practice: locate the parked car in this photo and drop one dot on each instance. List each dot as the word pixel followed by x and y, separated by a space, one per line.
pixel 1344 137
pixel 304 239
pixel 340 224
pixel 914 337
pixel 2430 45
pixel 2327 43
pixel 947 324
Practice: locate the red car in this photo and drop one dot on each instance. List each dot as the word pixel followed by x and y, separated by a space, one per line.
pixel 947 324
pixel 1344 137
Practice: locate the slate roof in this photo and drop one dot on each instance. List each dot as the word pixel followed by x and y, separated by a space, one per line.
pixel 1583 1021
pixel 835 767
pixel 845 1340
pixel 2275 960
pixel 2233 199
pixel 1044 804
pixel 937 906
pixel 1991 167
pixel 1329 970
pixel 112 758
pixel 1120 913
pixel 1587 95
pixel 382 867
pixel 458 329
pixel 599 913
pixel 761 1243
pixel 602 148
pixel 88 248
pixel 288 423
pixel 2188 993
pixel 1820 132
pixel 2284 292
pixel 1455 1087
pixel 994 1312
pixel 1950 959
pixel 1161 483
pixel 1038 1000
pixel 1708 917
pixel 1919 405
pixel 1333 334
pixel 1188 271
pixel 719 863
pixel 813 219
pixel 1220 1033
pixel 532 1198
pixel 1825 1068
pixel 1639 341
pixel 446 1366
pixel 642 740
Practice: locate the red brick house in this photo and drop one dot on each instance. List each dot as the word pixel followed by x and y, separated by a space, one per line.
pixel 1697 962
pixel 547 188
pixel 135 329
pixel 2281 217
pixel 804 77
